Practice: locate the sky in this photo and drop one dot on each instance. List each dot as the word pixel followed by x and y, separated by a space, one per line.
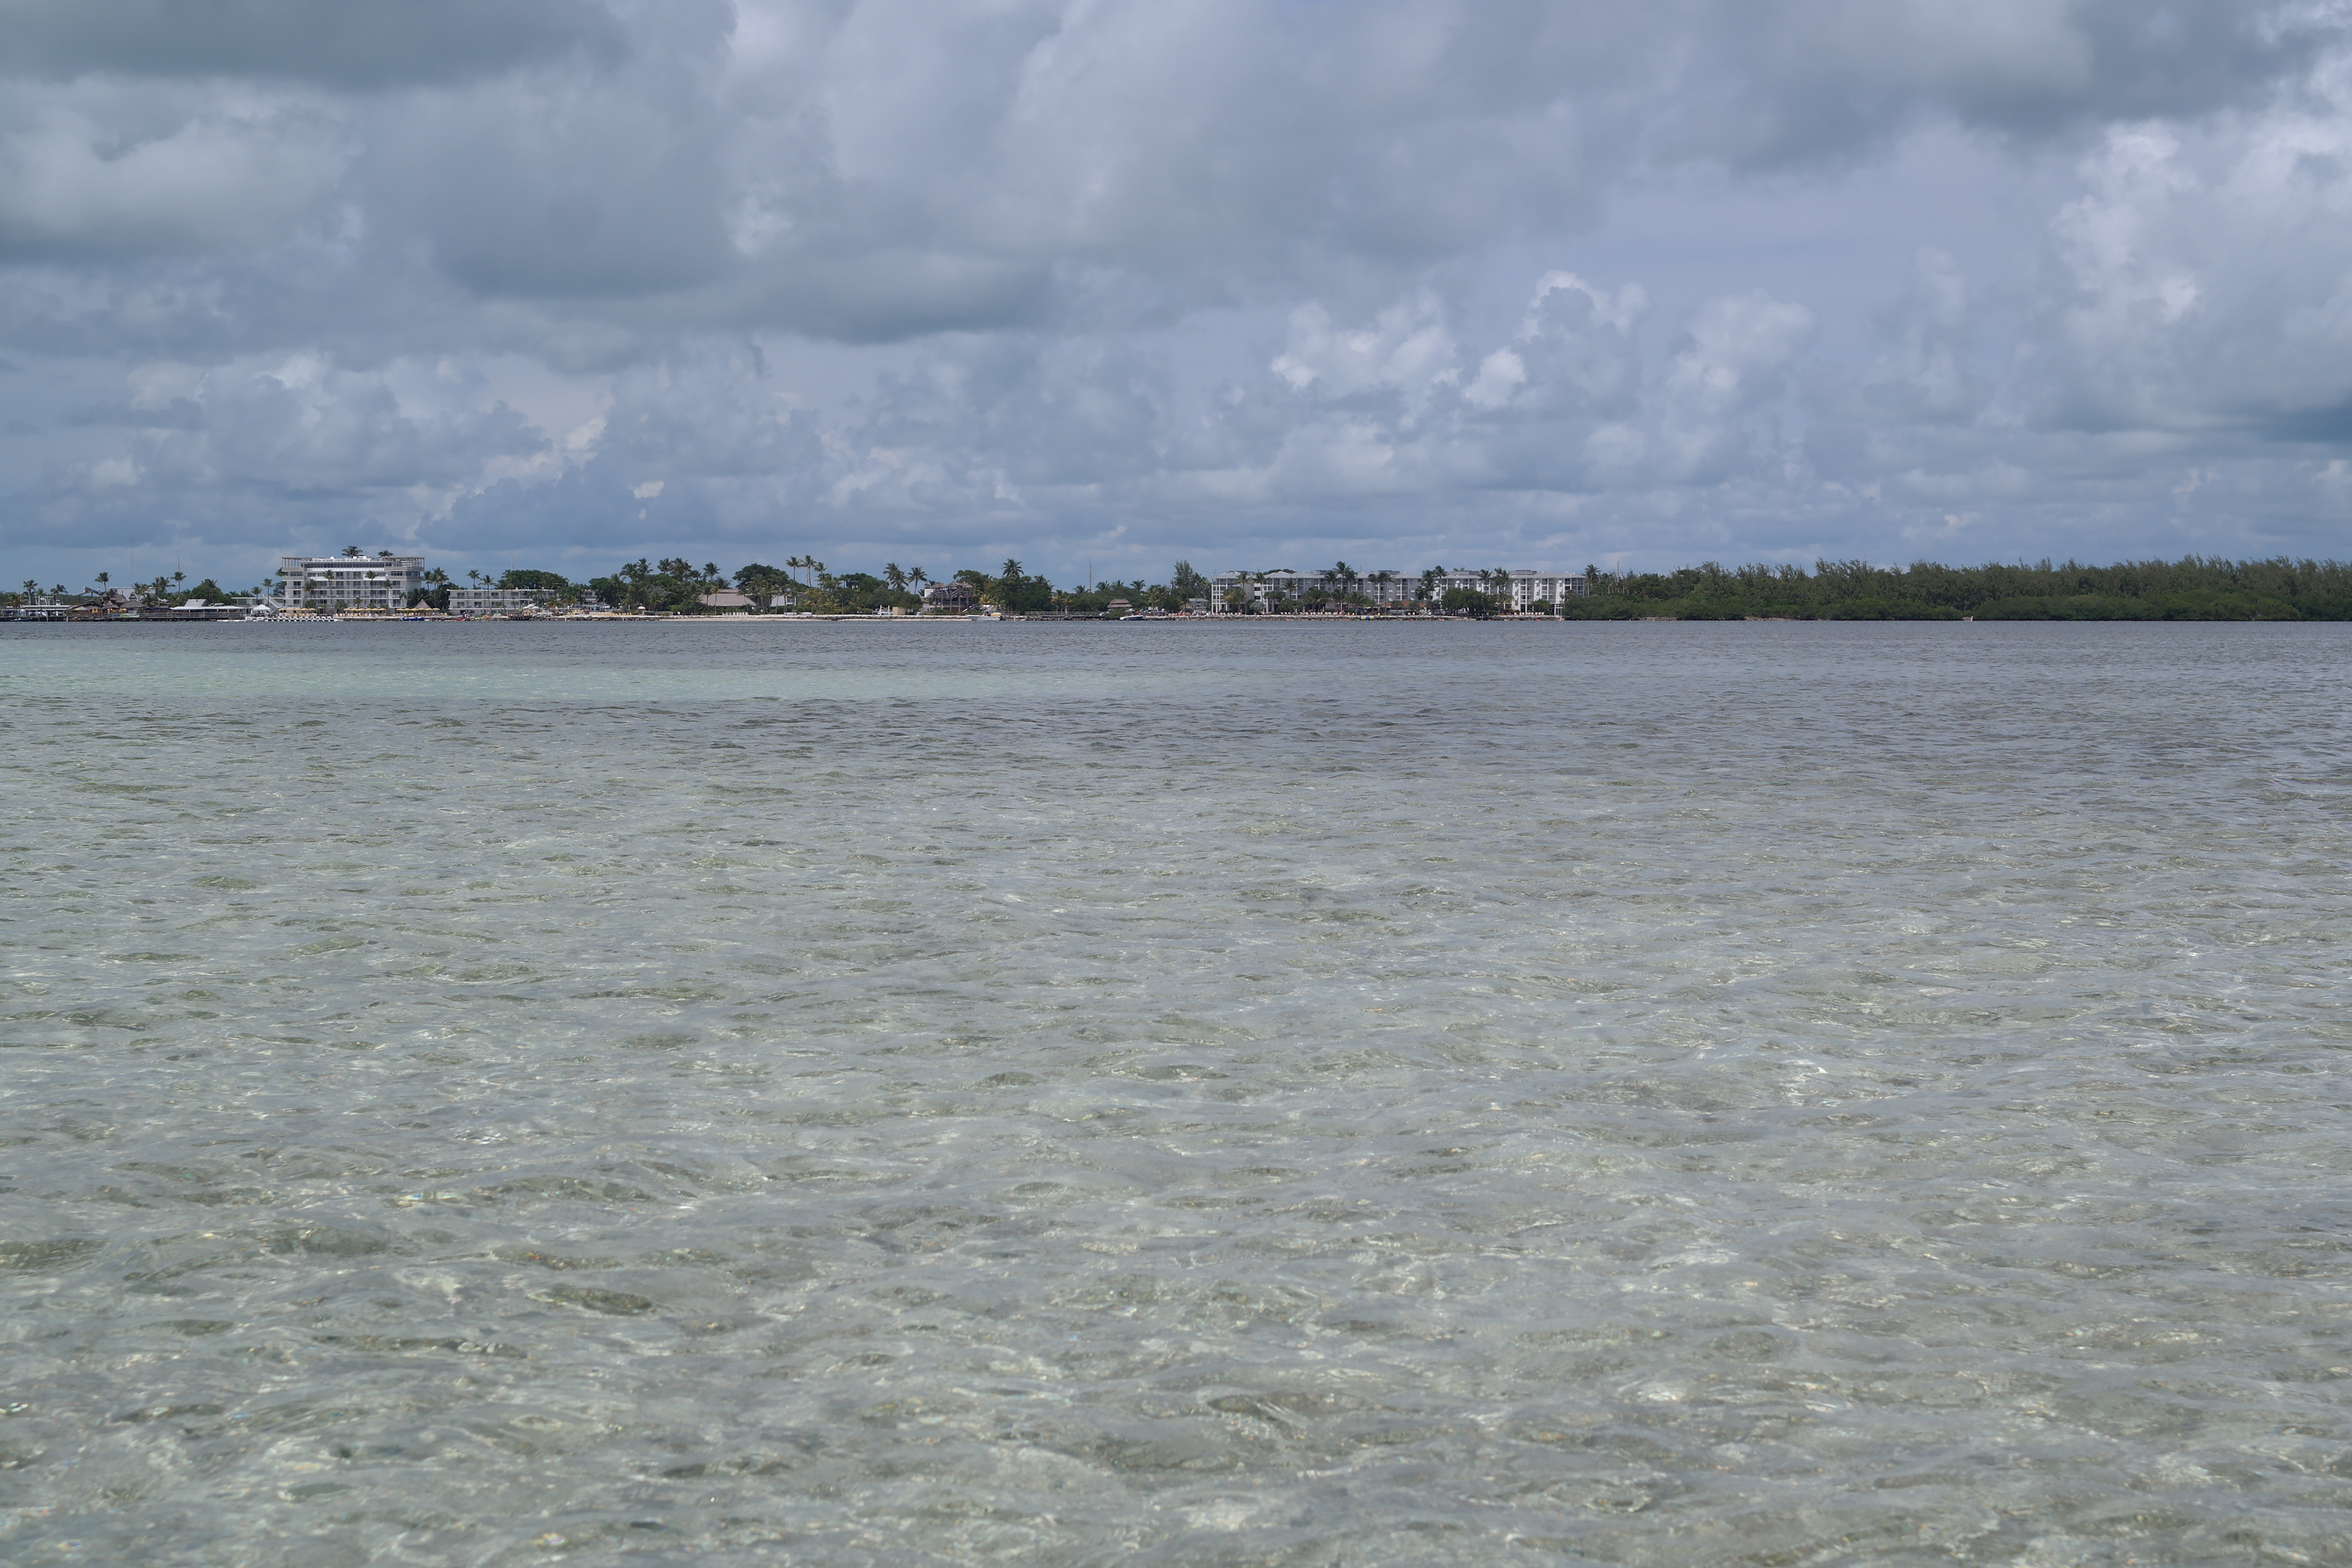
pixel 1102 285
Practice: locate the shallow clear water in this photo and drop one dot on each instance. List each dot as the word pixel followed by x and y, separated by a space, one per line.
pixel 1204 1094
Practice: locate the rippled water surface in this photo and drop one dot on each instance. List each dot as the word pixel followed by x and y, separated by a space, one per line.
pixel 1176 1094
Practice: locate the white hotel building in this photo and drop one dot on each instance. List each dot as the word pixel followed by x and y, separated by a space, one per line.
pixel 1518 591
pixel 350 582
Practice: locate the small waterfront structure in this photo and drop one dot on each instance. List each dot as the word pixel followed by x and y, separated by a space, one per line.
pixel 351 581
pixel 953 597
pixel 497 601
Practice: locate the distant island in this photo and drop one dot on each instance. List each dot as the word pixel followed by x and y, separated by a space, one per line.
pixel 2194 588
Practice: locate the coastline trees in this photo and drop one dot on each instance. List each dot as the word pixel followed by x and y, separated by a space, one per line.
pixel 1344 575
pixel 1184 585
pixel 673 584
pixel 2192 588
pixel 676 585
pixel 765 582
pixel 560 588
pixel 1014 592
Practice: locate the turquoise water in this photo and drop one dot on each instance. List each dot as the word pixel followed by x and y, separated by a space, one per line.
pixel 1176 1094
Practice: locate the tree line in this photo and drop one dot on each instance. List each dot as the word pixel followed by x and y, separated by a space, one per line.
pixel 677 586
pixel 167 588
pixel 2193 588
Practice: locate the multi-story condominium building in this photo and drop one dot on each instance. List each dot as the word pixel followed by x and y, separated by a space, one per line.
pixel 497 601
pixel 351 581
pixel 1520 589
pixel 1516 590
pixel 1266 590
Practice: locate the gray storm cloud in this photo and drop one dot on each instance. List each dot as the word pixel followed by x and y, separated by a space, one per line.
pixel 1241 280
pixel 353 45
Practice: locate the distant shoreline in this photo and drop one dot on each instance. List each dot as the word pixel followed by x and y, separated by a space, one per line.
pixel 1266 621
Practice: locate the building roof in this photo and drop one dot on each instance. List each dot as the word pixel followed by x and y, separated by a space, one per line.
pixel 355 561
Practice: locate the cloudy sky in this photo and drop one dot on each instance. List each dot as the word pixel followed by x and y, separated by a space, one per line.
pixel 1247 282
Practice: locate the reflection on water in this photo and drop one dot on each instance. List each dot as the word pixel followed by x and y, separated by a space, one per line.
pixel 1663 1095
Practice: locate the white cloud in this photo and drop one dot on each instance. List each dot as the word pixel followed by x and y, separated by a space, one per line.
pixel 1924 372
pixel 2201 278
pixel 1732 355
pixel 1405 350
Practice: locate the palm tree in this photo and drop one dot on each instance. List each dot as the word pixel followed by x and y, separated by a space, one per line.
pixel 351 551
pixel 1012 572
pixel 896 575
pixel 918 576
